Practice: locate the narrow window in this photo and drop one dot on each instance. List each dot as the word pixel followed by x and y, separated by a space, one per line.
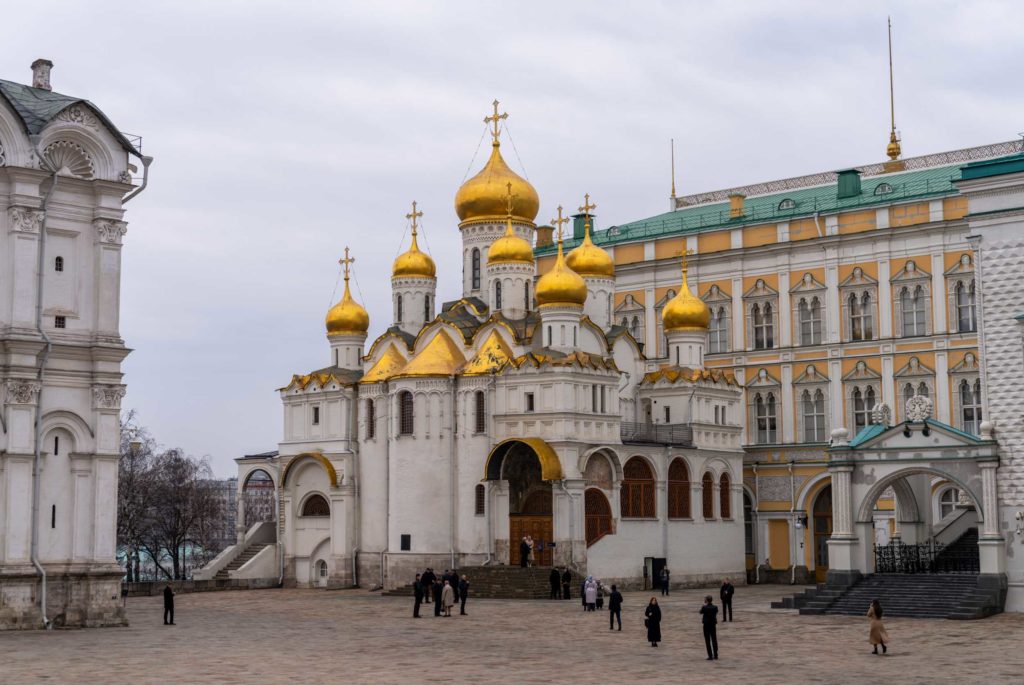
pixel 707 491
pixel 58 264
pixel 966 319
pixel 405 413
pixel 634 328
pixel 426 308
pixel 481 499
pixel 316 416
pixel 497 294
pixel 406 542
pixel 574 336
pixel 724 501
pixel 970 406
pixel 53 516
pixel 604 393
pixel 481 414
pixel 398 316
pixel 60 322
pixel 593 398
pixel 56 444
pixel 526 295
pixel 476 269
pixel 529 401
pixel 371 420
pixel 668 415
pixel 550 342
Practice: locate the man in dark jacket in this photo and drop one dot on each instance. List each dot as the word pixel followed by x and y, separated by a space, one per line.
pixel 438 588
pixel 463 593
pixel 555 581
pixel 168 605
pixel 417 594
pixel 453 580
pixel 666 576
pixel 726 594
pixel 566 581
pixel 709 617
pixel 614 608
pixel 428 584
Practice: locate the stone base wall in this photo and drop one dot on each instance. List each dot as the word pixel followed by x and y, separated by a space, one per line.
pixel 156 587
pixel 786 576
pixel 678 581
pixel 73 600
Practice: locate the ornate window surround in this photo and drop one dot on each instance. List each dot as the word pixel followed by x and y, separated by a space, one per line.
pixel 764 384
pixel 911 277
pixel 810 380
pixel 858 282
pixel 807 289
pixel 861 377
pixel 761 294
pixel 629 309
pixel 961 273
pixel 966 370
pixel 915 373
pixel 661 347
pixel 719 301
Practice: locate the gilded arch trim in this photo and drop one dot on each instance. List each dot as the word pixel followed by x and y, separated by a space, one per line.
pixel 332 475
pixel 550 465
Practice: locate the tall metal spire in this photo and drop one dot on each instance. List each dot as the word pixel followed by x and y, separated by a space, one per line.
pixel 893 150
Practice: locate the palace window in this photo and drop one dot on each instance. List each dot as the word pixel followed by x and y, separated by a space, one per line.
pixel 910 390
pixel 787 204
pixel 398 308
pixel 948 500
pixel 810 321
pixel 861 325
pixel 707 491
pixel 316 416
pixel 913 308
pixel 480 413
pixel 497 294
pixel 883 189
pixel 475 267
pixel 405 413
pixel 634 327
pixel 970 405
pixel 480 499
pixel 966 314
pixel 863 403
pixel 678 490
pixel 724 500
pixel 813 408
pixel 637 494
pixel 371 420
pixel 316 505
pixel 764 329
pixel 765 416
pixel 718 331
pixel 58 264
pixel 529 401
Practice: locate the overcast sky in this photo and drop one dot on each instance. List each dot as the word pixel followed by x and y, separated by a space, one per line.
pixel 284 131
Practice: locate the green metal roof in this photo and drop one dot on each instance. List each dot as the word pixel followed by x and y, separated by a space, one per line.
pixel 37 107
pixel 1012 164
pixel 867 433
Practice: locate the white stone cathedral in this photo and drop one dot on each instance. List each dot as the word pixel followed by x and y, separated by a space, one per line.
pixel 518 408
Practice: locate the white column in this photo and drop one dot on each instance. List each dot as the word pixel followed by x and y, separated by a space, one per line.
pixel 884 299
pixel 25 224
pixel 107 251
pixel 989 503
pixel 785 312
pixel 738 316
pixel 888 395
pixel 834 312
pixel 835 392
pixel 939 324
pixel 842 521
pixel 650 325
pixel 788 413
pixel 942 409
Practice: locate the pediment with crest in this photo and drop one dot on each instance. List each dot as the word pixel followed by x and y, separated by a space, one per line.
pixel 629 304
pixel 963 266
pixel 862 372
pixel 808 283
pixel 914 369
pixel 911 271
pixel 714 295
pixel 858 278
pixel 969 364
pixel 763 379
pixel 811 375
pixel 760 289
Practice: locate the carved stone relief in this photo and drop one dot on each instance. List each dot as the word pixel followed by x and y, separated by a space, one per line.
pixel 110 231
pixel 22 392
pixel 26 220
pixel 107 396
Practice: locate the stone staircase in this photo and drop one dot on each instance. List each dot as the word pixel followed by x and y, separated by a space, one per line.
pixel 239 561
pixel 960 556
pixel 505 582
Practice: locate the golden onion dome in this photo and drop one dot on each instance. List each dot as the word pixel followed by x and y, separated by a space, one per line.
pixel 484 195
pixel 510 248
pixel 348 316
pixel 414 262
pixel 561 285
pixel 587 259
pixel 685 311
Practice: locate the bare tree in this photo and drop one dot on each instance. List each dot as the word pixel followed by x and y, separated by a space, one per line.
pixel 133 491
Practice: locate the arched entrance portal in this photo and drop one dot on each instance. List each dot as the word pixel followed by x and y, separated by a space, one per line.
pixel 598 514
pixel 258 498
pixel 822 513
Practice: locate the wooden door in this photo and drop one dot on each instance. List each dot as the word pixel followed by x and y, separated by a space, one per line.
pixel 822 532
pixel 540 528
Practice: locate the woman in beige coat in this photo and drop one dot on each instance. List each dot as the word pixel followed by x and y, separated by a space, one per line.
pixel 877 636
pixel 447 599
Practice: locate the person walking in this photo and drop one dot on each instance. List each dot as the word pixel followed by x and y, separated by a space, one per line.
pixel 168 605
pixel 428 583
pixel 436 589
pixel 566 583
pixel 665 576
pixel 590 594
pixel 709 618
pixel 463 594
pixel 417 596
pixel 447 598
pixel 878 634
pixel 725 594
pixel 555 581
pixel 653 622
pixel 524 552
pixel 614 608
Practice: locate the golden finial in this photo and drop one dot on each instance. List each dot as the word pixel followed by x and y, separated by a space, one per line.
pixel 672 144
pixel 345 262
pixel 587 206
pixel 685 262
pixel 414 215
pixel 559 221
pixel 893 149
pixel 496 120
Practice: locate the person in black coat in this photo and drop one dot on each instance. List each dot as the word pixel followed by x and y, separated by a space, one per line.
pixel 566 582
pixel 463 593
pixel 725 594
pixel 524 552
pixel 438 588
pixel 653 622
pixel 614 608
pixel 555 580
pixel 417 595
pixel 709 617
pixel 427 580
pixel 168 605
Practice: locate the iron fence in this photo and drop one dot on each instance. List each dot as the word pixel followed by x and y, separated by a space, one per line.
pixel 657 433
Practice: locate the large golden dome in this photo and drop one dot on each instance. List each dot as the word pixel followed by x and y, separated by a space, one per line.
pixel 685 311
pixel 414 263
pixel 510 248
pixel 484 195
pixel 348 316
pixel 561 285
pixel 587 259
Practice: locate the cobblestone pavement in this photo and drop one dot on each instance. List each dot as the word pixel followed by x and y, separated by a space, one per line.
pixel 309 636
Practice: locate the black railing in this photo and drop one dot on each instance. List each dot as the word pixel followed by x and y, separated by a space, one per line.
pixel 657 433
pixel 928 557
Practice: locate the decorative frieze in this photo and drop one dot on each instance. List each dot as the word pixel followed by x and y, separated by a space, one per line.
pixel 26 220
pixel 107 396
pixel 778 488
pixel 110 231
pixel 80 116
pixel 23 392
pixel 125 177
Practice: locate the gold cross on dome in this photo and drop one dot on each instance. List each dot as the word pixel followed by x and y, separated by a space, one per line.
pixel 414 216
pixel 685 262
pixel 345 262
pixel 496 120
pixel 586 205
pixel 559 221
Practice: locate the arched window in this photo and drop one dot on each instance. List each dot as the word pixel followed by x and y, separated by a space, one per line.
pixel 475 268
pixel 966 317
pixel 58 264
pixel 764 414
pixel 707 491
pixel 625 322
pixel 787 204
pixel 480 499
pixel 764 328
pixel 724 497
pixel 718 331
pixel 371 420
pixel 321 569
pixel 883 189
pixel 863 403
pixel 861 327
pixel 405 413
pixel 634 327
pixel 597 514
pixel 814 415
pixel 970 405
pixel 809 312
pixel 426 307
pixel 913 306
pixel 398 308
pixel 497 294
pixel 637 493
pixel 678 490
pixel 480 414
pixel 948 501
pixel 316 505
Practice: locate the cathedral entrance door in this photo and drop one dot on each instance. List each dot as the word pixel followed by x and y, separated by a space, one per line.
pixel 540 529
pixel 822 532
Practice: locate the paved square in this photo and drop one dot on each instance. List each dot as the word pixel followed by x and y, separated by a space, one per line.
pixel 310 636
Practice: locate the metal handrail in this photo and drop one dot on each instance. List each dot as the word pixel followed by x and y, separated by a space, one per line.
pixel 656 433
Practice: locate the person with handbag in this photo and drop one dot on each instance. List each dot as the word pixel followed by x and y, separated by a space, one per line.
pixel 653 622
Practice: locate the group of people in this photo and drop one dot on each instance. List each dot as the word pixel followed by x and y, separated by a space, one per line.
pixel 561 582
pixel 526 557
pixel 444 591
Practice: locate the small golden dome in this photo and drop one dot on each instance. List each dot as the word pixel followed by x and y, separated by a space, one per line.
pixel 348 316
pixel 587 259
pixel 414 262
pixel 685 311
pixel 510 248
pixel 561 285
pixel 484 195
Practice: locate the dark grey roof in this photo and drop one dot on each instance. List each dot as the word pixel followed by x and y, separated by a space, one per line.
pixel 409 339
pixel 260 455
pixel 37 107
